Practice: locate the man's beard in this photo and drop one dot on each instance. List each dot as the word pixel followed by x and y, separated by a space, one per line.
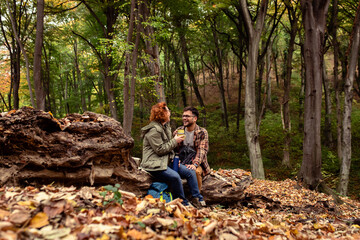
pixel 188 124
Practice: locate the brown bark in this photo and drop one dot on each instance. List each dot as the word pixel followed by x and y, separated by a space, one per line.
pixel 292 13
pixel 327 123
pixel 238 110
pixel 268 76
pixel 78 78
pixel 337 81
pixel 314 18
pixel 191 74
pixel 130 68
pixel 87 149
pixel 220 75
pixel 38 82
pixel 152 49
pixel 179 73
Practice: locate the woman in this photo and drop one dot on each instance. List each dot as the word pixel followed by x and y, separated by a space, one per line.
pixel 158 152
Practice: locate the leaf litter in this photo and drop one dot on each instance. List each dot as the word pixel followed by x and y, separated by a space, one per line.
pixel 273 210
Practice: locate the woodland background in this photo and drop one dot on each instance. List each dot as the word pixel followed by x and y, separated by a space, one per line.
pixel 247 65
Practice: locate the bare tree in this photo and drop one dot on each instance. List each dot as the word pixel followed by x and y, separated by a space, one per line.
pixel 314 19
pixel 346 131
pixel 251 126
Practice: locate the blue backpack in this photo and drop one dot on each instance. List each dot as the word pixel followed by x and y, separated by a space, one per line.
pixel 157 190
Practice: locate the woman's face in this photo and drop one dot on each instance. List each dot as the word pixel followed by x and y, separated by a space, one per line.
pixel 168 114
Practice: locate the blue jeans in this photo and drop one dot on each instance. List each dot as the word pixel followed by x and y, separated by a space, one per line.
pixel 173 179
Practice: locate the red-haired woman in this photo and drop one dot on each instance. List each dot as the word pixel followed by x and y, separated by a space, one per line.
pixel 158 152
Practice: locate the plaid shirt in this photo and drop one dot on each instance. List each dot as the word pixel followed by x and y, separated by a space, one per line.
pixel 201 146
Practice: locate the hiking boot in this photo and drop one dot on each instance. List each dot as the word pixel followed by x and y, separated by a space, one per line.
pixel 203 203
pixel 198 203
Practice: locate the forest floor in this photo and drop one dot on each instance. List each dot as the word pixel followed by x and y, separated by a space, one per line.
pixel 269 210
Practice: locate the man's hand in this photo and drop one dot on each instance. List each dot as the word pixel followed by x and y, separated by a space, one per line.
pixel 190 166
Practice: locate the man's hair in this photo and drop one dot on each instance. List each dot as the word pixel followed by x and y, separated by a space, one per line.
pixel 193 110
pixel 158 112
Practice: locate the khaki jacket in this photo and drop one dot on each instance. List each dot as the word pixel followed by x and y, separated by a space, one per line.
pixel 158 146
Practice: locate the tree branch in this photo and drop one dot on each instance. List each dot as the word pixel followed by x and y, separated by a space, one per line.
pixel 91 45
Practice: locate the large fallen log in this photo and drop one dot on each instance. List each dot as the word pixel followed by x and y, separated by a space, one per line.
pixel 87 149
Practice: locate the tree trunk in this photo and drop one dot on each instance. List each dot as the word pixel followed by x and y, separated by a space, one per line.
pixel 327 124
pixel 337 81
pixel 78 78
pixel 221 78
pixel 314 18
pixel 239 97
pixel 180 73
pixel 259 94
pixel 15 58
pixel 14 28
pixel 204 79
pixel 111 13
pixel 130 69
pixel 48 99
pixel 152 50
pixel 268 77
pixel 302 90
pixel 189 70
pixel 287 84
pixel 349 81
pixel 16 73
pixel 251 127
pixel 38 82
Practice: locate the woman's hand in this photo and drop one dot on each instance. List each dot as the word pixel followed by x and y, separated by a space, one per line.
pixel 179 139
pixel 190 166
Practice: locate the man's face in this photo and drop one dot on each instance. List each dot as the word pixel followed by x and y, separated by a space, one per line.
pixel 188 118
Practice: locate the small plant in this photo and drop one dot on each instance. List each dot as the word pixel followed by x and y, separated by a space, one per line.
pixel 114 192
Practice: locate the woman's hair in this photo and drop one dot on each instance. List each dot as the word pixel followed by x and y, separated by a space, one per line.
pixel 158 112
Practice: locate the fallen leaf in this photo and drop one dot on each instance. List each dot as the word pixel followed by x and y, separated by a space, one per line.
pixel 3 214
pixel 39 220
pixel 209 228
pixel 54 208
pixel 141 206
pixel 49 233
pixel 134 234
pixel 165 222
pixel 228 236
pixel 4 226
pixel 19 217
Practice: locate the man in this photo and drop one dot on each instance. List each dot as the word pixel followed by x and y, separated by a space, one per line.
pixel 197 138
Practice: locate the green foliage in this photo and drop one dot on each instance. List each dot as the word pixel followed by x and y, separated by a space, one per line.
pixel 111 194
